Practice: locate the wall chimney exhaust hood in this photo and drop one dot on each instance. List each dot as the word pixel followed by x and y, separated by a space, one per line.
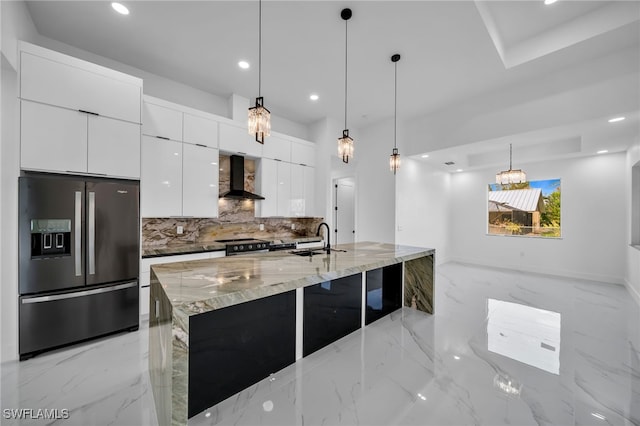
pixel 236 181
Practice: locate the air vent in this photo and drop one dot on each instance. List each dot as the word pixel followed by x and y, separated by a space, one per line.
pixel 449 163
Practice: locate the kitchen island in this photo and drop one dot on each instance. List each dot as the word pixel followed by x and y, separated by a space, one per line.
pixel 219 325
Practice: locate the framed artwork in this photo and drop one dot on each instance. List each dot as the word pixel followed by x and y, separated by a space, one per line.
pixel 529 209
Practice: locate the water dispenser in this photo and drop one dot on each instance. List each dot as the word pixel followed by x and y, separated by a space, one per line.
pixel 50 237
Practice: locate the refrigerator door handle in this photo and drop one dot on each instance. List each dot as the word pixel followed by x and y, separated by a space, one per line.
pixel 92 233
pixel 78 234
pixel 73 295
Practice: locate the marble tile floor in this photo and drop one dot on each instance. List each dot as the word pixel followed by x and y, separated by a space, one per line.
pixel 503 347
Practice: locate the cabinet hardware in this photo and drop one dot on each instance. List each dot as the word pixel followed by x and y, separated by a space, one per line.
pixel 199 144
pixel 302 164
pixel 276 159
pixel 88 112
pixel 163 137
pixel 242 153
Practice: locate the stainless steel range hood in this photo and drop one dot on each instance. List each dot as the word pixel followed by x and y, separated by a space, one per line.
pixel 236 181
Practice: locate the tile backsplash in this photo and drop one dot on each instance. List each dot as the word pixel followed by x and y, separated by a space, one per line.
pixel 236 219
pixel 163 231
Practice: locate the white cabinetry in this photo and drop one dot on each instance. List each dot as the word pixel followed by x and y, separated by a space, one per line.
pixel 200 131
pixel 303 153
pixel 275 186
pixel 178 178
pixel 77 117
pixel 284 189
pixel 161 182
pixel 302 190
pixel 235 140
pixel 277 148
pixel 161 122
pixel 199 181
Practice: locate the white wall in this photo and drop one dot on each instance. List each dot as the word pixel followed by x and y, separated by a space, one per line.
pixel 422 207
pixel 375 184
pixel 594 233
pixel 632 278
pixel 16 25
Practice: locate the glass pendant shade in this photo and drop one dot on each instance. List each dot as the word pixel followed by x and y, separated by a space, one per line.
pixel 507 177
pixel 345 146
pixel 259 121
pixel 394 161
pixel 510 176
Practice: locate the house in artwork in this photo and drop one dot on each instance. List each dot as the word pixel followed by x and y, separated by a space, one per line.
pixel 521 207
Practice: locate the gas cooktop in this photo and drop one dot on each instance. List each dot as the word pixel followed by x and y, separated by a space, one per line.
pixel 244 245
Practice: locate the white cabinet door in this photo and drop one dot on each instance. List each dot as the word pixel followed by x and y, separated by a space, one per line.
pixel 284 188
pixel 199 181
pixel 200 130
pixel 297 190
pixel 277 148
pixel 309 191
pixel 52 138
pixel 161 121
pixel 303 153
pixel 113 147
pixel 236 140
pixel 161 178
pixel 59 83
pixel 267 186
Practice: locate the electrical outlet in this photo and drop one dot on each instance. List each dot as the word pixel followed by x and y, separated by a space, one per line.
pixel 262 226
pixel 293 226
pixel 180 230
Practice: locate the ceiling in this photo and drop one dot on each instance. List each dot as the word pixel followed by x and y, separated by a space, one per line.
pixel 451 51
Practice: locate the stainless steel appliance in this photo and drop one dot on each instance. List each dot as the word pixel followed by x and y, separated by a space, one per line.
pixel 79 252
pixel 281 245
pixel 244 245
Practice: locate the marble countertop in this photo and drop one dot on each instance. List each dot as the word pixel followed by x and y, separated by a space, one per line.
pixel 174 249
pixel 203 285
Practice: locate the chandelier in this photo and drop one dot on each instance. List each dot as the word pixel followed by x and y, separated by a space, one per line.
pixel 507 177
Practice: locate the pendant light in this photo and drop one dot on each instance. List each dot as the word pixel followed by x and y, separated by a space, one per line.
pixel 345 143
pixel 507 177
pixel 259 116
pixel 394 159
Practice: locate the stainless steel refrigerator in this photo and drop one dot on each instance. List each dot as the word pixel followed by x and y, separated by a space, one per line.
pixel 79 253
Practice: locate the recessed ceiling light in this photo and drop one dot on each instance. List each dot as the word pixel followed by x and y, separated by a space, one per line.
pixel 243 64
pixel 120 8
pixel 314 97
pixel 458 170
pixel 548 2
pixel 615 120
pixel 603 151
pixel 425 156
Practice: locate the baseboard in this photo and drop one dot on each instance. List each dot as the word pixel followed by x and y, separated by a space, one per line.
pixel 543 271
pixel 635 294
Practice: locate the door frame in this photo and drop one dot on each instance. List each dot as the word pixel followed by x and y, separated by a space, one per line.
pixel 334 213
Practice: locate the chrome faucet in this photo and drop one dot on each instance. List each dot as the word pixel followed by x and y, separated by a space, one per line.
pixel 328 246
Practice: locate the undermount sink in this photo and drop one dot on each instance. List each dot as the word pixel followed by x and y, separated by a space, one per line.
pixel 307 252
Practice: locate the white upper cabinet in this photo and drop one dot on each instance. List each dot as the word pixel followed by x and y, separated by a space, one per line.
pixel 160 121
pixel 199 181
pixel 52 138
pixel 235 139
pixel 302 190
pixel 56 79
pixel 277 148
pixel 199 130
pixel 113 148
pixel 284 189
pixel 303 153
pixel 267 186
pixel 77 117
pixel 161 181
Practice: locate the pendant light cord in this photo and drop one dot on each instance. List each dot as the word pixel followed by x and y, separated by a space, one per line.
pixel 346 58
pixel 510 157
pixel 395 105
pixel 259 48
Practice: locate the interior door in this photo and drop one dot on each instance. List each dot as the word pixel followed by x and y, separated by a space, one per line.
pixel 113 233
pixel 345 210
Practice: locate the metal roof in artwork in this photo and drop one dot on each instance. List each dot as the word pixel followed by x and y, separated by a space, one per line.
pixel 528 200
